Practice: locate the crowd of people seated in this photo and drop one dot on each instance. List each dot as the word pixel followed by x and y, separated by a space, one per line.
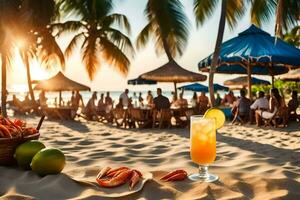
pixel 265 108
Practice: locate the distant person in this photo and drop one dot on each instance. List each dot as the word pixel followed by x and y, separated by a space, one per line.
pixel 276 103
pixel 229 99
pixel 261 103
pixel 141 100
pixel 42 99
pixel 101 104
pixel 77 101
pixel 174 97
pixel 203 103
pixel 130 104
pixel 72 101
pixel 90 109
pixel 241 108
pixel 120 105
pixel 15 101
pixel 218 100
pixel 194 100
pixel 161 102
pixel 108 99
pixel 125 98
pixel 293 104
pixel 181 102
pixel 149 98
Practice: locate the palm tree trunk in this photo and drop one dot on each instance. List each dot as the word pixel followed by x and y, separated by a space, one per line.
pixel 170 58
pixel 279 19
pixel 167 49
pixel 31 93
pixel 3 85
pixel 217 52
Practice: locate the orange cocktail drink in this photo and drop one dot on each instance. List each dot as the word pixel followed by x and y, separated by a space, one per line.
pixel 203 141
pixel 203 146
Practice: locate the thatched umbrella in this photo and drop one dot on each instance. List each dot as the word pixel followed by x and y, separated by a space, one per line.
pixel 242 81
pixel 59 83
pixel 172 72
pixel 292 75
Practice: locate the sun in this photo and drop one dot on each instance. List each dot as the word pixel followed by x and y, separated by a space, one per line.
pixel 17 76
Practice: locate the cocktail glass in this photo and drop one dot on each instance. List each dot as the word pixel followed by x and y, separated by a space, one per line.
pixel 203 147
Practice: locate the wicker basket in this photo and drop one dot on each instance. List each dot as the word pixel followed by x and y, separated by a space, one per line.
pixel 8 146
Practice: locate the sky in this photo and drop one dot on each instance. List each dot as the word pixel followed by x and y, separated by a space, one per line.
pixel 201 44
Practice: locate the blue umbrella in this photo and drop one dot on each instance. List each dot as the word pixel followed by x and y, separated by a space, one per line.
pixel 218 87
pixel 196 87
pixel 140 81
pixel 254 51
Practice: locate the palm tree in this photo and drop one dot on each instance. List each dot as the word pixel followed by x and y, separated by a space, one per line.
pixel 286 13
pixel 100 40
pixel 231 11
pixel 35 16
pixel 8 9
pixel 293 37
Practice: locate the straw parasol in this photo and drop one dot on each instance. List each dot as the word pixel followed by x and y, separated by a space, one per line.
pixel 59 83
pixel 172 72
pixel 292 75
pixel 242 81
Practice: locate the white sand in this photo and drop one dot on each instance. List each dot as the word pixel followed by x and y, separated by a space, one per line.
pixel 252 163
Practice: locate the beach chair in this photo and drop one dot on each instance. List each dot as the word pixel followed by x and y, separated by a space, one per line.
pixel 138 117
pixel 279 118
pixel 119 116
pixel 162 117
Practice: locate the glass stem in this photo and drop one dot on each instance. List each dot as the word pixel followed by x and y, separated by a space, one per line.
pixel 203 170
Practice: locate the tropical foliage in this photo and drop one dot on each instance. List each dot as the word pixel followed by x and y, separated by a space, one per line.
pixel 37 40
pixel 286 13
pixel 293 36
pixel 231 11
pixel 94 29
pixel 167 25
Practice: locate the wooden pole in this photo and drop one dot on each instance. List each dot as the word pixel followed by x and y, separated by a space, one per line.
pixel 249 80
pixel 59 99
pixel 272 81
pixel 175 87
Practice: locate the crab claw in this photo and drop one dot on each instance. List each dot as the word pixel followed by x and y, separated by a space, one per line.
pixel 112 172
pixel 177 177
pixel 103 172
pixel 165 177
pixel 135 178
pixel 115 181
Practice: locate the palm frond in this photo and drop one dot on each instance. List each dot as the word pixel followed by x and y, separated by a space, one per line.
pixel 120 19
pixel 68 26
pixel 168 20
pixel 262 11
pixel 114 56
pixel 235 11
pixel 73 44
pixel 120 40
pixel 89 55
pixel 49 50
pixel 144 35
pixel 204 9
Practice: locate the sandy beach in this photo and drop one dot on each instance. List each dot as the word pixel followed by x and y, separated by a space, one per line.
pixel 252 163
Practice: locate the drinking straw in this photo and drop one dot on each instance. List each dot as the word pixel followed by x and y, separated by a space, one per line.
pixel 40 122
